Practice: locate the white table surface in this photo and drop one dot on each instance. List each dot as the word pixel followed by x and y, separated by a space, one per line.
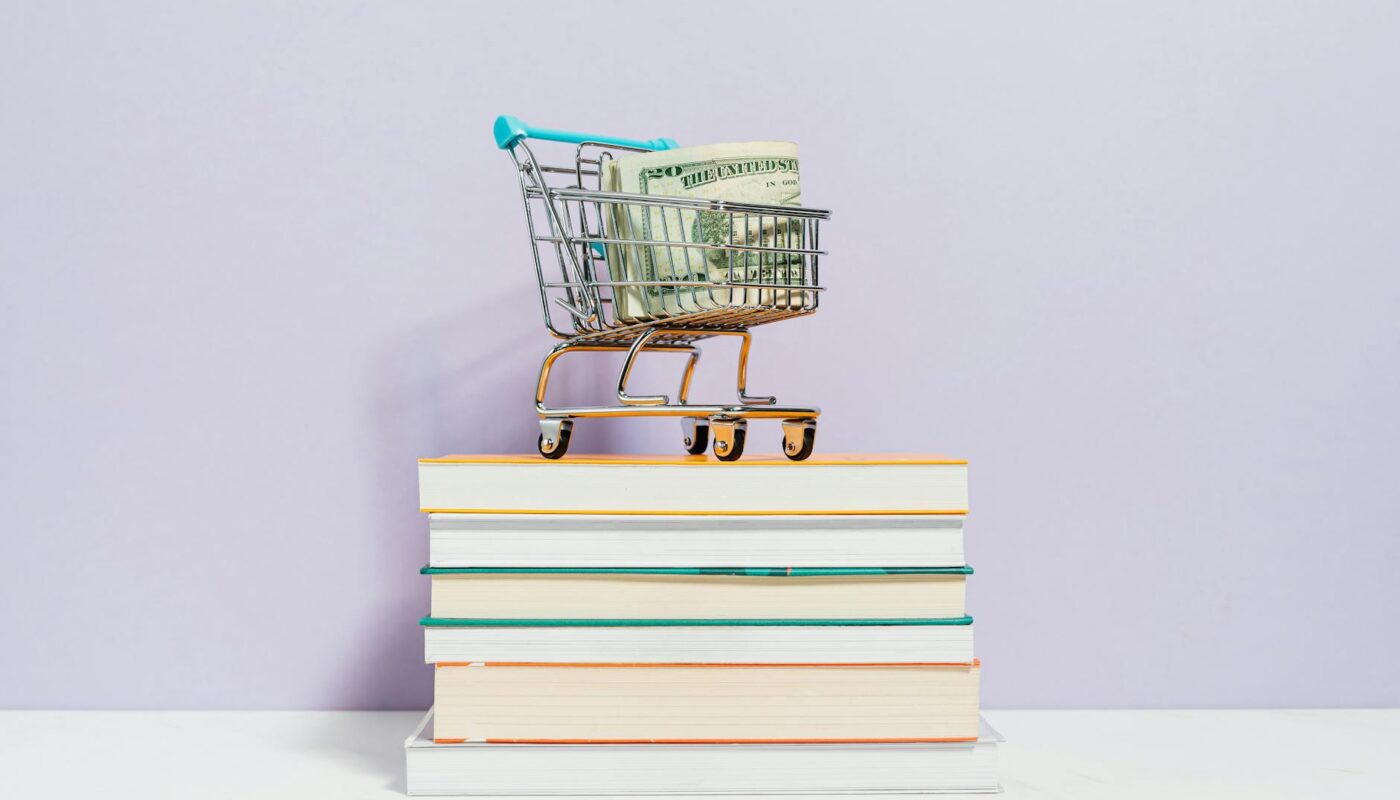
pixel 1199 755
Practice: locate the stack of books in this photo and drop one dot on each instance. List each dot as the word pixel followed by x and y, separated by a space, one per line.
pixel 649 625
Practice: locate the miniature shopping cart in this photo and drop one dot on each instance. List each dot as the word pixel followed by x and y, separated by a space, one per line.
pixel 640 273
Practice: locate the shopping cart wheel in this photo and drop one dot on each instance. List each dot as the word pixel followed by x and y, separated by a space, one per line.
pixel 554 437
pixel 729 438
pixel 799 438
pixel 697 435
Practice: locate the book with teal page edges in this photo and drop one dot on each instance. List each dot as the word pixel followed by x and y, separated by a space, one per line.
pixel 699 593
pixel 917 624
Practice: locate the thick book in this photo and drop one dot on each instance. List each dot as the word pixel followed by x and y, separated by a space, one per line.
pixel 698 593
pixel 833 771
pixel 695 703
pixel 693 485
pixel 706 540
pixel 699 642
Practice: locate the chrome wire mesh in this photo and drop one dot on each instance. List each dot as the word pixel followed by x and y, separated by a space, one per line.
pixel 613 265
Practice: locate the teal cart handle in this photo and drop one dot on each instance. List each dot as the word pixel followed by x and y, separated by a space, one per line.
pixel 510 130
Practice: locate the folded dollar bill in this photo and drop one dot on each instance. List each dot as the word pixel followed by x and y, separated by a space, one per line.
pixel 764 173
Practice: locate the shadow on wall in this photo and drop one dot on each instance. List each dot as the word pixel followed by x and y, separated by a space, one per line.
pixel 460 384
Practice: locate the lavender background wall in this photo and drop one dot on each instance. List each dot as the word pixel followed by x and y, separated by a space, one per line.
pixel 1139 264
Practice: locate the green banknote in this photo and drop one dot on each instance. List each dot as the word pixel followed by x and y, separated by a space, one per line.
pixel 764 173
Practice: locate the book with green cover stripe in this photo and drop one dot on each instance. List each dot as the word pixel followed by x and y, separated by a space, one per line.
pixel 701 593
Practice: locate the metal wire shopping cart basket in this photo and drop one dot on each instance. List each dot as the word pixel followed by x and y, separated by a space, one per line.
pixel 635 273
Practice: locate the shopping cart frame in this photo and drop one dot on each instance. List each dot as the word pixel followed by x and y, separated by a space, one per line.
pixel 776 280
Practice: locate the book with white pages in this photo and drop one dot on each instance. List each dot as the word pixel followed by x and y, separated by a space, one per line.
pixel 826 485
pixel 697 593
pixel 940 640
pixel 602 540
pixel 794 771
pixel 573 703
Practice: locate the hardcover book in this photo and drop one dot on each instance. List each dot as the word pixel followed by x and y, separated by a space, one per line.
pixel 847 771
pixel 693 485
pixel 701 540
pixel 710 641
pixel 691 703
pixel 698 593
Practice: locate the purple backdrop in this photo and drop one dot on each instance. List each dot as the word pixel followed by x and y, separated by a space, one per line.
pixel 1138 264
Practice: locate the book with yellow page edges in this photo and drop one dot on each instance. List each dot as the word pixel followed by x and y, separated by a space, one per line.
pixel 761 626
pixel 694 485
